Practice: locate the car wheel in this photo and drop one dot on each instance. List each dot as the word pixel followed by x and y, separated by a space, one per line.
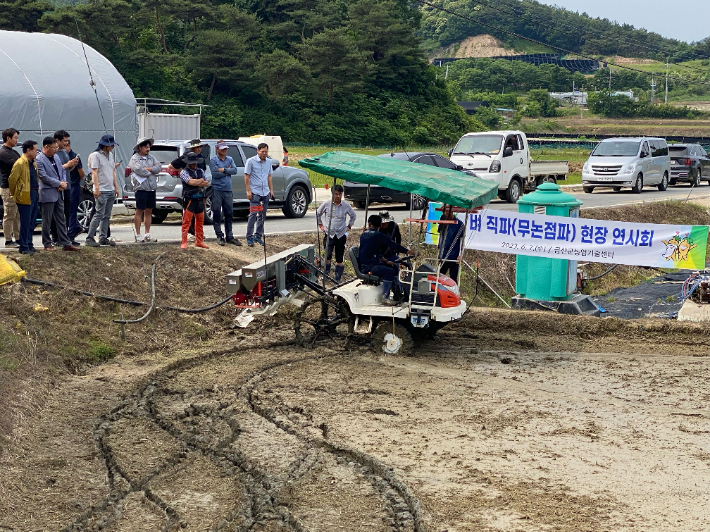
pixel 241 213
pixel 158 217
pixel 663 185
pixel 83 213
pixel 672 182
pixel 296 203
pixel 418 202
pixel 638 185
pixel 617 189
pixel 700 176
pixel 515 190
pixel 546 179
pixel 588 190
pixel 696 180
pixel 359 204
pixel 208 208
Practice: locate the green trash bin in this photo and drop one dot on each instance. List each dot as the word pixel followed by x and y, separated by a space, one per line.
pixel 541 278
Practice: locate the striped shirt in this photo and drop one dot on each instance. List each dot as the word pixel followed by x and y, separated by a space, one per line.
pixel 338 226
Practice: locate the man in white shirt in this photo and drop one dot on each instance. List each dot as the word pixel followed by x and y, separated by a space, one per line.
pixel 105 188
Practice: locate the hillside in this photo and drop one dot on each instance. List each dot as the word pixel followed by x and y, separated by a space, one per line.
pixel 549 25
pixel 486 45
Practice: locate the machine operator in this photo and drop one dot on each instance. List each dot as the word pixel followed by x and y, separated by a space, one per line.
pixel 373 245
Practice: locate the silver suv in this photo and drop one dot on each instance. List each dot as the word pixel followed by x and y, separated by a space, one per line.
pixel 628 162
pixel 292 187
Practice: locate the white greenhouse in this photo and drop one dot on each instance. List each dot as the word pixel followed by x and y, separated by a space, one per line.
pixel 45 85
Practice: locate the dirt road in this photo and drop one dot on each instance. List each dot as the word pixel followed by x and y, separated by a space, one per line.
pixel 582 425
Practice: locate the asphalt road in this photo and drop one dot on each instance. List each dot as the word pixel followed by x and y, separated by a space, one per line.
pixel 277 223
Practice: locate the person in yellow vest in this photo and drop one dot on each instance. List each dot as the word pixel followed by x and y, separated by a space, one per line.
pixel 24 189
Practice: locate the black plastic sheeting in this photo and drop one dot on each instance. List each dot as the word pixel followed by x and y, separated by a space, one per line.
pixel 658 297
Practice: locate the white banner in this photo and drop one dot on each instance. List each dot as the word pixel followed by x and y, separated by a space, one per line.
pixel 584 239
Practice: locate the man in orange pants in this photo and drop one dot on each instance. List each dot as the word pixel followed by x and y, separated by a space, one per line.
pixel 193 198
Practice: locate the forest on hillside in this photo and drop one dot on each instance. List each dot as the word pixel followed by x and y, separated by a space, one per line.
pixel 320 71
pixel 553 26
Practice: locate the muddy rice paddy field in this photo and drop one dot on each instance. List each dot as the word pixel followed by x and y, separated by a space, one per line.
pixel 505 421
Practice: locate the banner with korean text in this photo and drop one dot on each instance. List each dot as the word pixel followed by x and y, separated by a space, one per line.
pixel 584 239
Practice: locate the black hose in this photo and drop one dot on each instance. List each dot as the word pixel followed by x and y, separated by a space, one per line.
pixel 83 292
pixel 152 296
pixel 198 310
pixel 603 274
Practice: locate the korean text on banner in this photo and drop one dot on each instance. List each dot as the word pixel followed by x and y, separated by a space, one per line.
pixel 557 237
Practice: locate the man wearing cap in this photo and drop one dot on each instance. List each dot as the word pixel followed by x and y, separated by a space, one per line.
pixel 180 164
pixel 339 219
pixel 144 169
pixel 52 187
pixel 391 229
pixel 223 168
pixel 194 183
pixel 257 178
pixel 105 189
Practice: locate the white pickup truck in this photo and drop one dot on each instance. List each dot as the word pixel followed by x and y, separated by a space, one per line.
pixel 504 157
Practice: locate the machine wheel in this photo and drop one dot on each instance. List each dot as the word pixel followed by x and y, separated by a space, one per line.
pixel 588 190
pixel 638 185
pixel 664 182
pixel 391 341
pixel 514 191
pixel 360 204
pixel 296 203
pixel 323 316
pixel 158 217
pixel 429 332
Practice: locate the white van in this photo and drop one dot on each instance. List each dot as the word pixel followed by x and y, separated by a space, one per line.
pixel 632 162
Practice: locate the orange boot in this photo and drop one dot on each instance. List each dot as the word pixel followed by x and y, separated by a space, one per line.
pixel 199 231
pixel 186 219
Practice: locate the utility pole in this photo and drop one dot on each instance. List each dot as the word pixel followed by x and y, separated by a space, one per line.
pixel 609 78
pixel 666 100
pixel 446 76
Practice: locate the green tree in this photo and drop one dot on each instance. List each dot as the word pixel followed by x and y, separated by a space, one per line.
pixel 20 15
pixel 283 75
pixel 334 62
pixel 542 103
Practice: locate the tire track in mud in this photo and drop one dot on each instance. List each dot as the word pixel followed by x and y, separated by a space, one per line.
pixel 261 488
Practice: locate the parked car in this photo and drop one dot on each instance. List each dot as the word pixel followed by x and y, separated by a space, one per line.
pixel 690 163
pixel 292 187
pixel 357 192
pixel 504 157
pixel 628 162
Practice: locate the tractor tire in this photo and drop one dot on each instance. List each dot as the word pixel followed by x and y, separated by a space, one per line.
pixel 392 342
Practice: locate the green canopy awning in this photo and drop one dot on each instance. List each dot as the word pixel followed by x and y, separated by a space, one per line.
pixel 432 182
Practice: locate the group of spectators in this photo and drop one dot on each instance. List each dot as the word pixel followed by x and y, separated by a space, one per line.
pixel 49 182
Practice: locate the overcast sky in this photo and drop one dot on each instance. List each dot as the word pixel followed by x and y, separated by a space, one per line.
pixel 685 20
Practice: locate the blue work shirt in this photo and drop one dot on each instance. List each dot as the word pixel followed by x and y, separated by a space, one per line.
pixel 222 180
pixel 259 172
pixel 450 243
pixel 373 245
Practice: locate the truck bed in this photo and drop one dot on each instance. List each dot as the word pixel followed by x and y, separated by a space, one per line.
pixel 557 168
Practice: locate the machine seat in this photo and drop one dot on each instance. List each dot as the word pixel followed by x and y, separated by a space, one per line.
pixel 364 276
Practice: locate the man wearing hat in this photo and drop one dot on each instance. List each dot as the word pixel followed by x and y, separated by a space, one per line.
pixel 144 168
pixel 105 189
pixel 193 198
pixel 223 168
pixel 391 229
pixel 195 146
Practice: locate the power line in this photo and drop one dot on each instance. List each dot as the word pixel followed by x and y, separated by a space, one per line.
pixel 517 35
